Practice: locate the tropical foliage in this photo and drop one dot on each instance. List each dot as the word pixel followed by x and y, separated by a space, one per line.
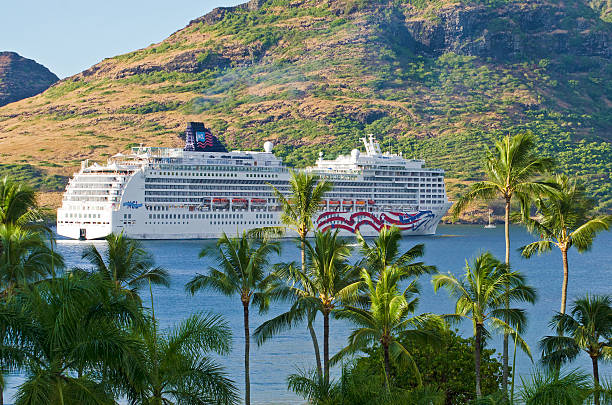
pixel 306 194
pixel 176 367
pixel 327 282
pixel 18 204
pixel 25 257
pixel 446 363
pixel 563 220
pixel 68 336
pixel 587 328
pixel 126 264
pixel 389 318
pixel 385 252
pixel 242 272
pixel 481 296
pixel 510 169
pixel 547 387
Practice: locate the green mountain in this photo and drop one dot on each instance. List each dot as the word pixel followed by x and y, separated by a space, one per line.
pixel 436 79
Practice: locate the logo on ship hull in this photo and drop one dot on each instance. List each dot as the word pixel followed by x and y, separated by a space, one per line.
pixel 403 221
pixel 132 204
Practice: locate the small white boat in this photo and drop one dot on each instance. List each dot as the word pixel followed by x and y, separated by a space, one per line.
pixel 490 225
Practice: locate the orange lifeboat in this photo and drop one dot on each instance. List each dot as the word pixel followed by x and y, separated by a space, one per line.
pixel 220 202
pixel 239 202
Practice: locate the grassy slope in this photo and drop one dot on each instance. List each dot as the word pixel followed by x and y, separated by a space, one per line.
pixel 314 76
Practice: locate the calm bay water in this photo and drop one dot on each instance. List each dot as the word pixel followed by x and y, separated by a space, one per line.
pixel 271 363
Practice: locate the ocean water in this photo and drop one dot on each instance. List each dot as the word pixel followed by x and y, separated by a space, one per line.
pixel 271 363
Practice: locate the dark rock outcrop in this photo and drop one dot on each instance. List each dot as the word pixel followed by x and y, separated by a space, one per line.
pixel 22 78
pixel 511 31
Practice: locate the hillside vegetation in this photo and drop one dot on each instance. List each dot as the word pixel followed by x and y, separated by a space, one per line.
pixel 436 79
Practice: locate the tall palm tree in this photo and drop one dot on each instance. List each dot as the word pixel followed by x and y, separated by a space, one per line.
pixel 176 366
pixel 243 271
pixel 126 263
pixel 387 320
pixel 306 193
pixel 65 335
pixel 25 257
pixel 588 328
pixel 327 282
pixel 563 221
pixel 510 169
pixel 384 252
pixel 481 296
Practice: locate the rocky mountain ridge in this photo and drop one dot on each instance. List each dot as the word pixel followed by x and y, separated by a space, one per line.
pixel 22 78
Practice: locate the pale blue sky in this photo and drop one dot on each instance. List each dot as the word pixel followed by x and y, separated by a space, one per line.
pixel 68 36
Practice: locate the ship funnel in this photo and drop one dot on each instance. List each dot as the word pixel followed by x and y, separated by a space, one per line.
pixel 200 139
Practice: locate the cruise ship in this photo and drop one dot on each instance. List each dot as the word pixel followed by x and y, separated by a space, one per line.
pixel 203 190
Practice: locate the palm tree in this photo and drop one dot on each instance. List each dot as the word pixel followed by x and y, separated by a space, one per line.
pixel 510 169
pixel 242 271
pixel 387 320
pixel 18 204
pixel 327 282
pixel 306 194
pixel 25 257
pixel 481 296
pixel 176 367
pixel 384 252
pixel 126 264
pixel 547 387
pixel 65 335
pixel 563 221
pixel 588 328
pixel 357 388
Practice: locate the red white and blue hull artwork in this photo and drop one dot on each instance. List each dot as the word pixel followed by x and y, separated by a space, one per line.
pixel 370 223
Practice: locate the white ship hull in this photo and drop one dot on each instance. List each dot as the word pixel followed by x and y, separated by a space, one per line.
pixel 211 225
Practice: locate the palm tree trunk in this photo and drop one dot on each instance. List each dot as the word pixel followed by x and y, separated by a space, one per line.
pixel 315 343
pixel 303 248
pixel 247 345
pixel 506 356
pixel 387 365
pixel 60 392
pixel 326 345
pixel 477 351
pixel 313 335
pixel 565 280
pixel 595 378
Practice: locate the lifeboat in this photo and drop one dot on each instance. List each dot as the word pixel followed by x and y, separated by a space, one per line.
pixel 360 202
pixel 371 202
pixel 347 203
pixel 258 201
pixel 239 202
pixel 220 202
pixel 334 202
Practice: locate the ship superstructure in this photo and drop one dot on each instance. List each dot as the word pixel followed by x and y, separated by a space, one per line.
pixel 203 190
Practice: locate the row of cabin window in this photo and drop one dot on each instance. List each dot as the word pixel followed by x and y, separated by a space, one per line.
pixel 219 223
pixel 213 174
pixel 204 216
